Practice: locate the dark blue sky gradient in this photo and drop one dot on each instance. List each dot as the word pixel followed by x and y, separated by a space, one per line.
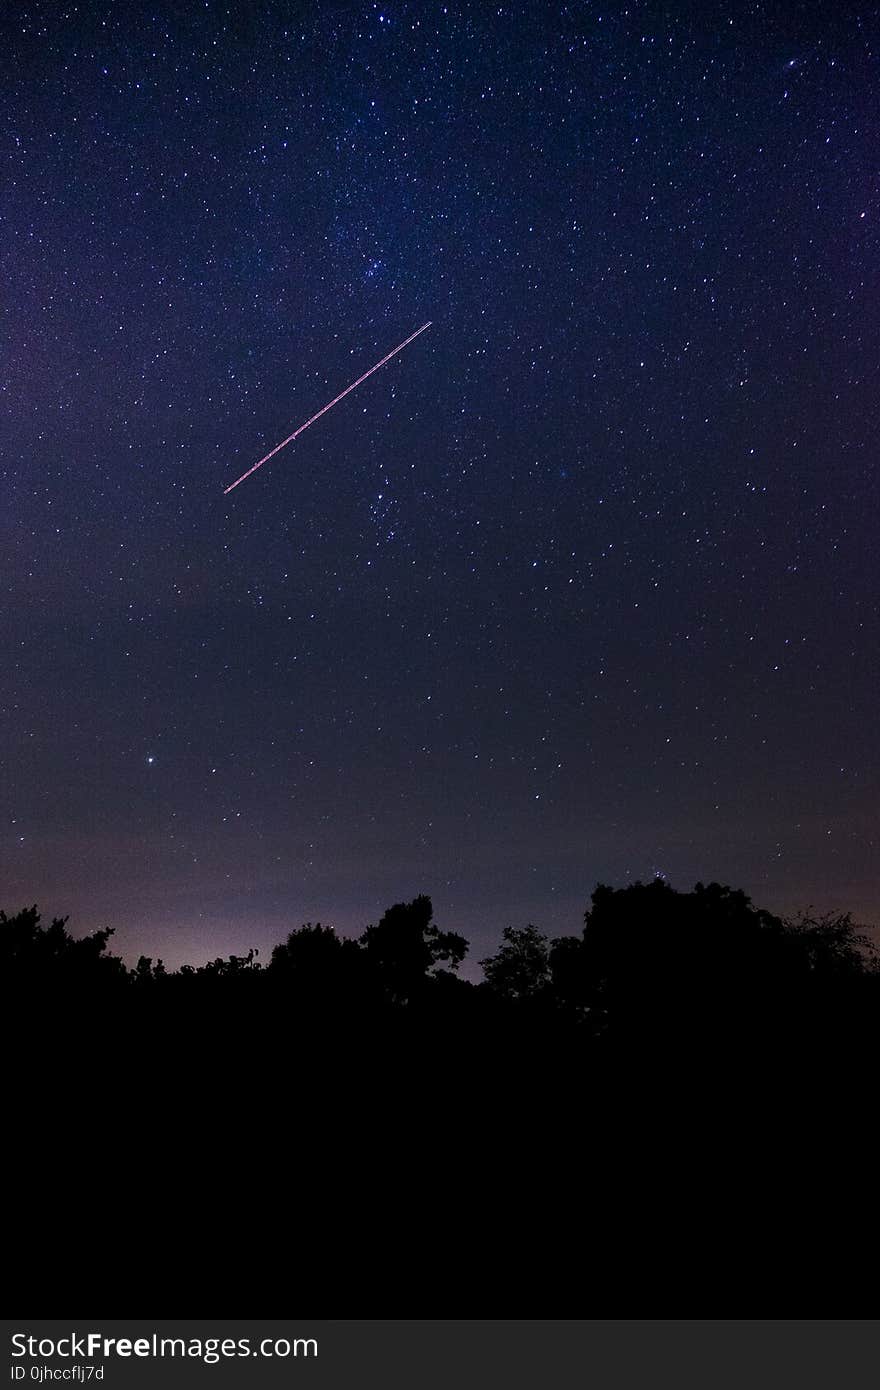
pixel 582 585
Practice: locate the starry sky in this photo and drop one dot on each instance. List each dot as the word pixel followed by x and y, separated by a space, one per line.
pixel 581 586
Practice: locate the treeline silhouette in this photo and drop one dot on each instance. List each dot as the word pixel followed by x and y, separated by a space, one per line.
pixel 652 967
pixel 667 1112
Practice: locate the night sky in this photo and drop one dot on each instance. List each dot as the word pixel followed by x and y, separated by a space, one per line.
pixel 581 586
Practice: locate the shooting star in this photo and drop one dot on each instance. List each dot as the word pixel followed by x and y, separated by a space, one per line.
pixel 329 406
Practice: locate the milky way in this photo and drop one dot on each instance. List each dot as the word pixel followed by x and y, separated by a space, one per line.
pixel 586 590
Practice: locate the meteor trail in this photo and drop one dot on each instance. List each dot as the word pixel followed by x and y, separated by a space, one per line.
pixel 329 406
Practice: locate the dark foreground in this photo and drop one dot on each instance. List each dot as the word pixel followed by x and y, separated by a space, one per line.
pixel 669 1114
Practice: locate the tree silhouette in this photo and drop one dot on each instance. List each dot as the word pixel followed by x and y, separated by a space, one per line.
pixel 832 944
pixel 406 946
pixel 309 951
pixel 654 958
pixel 705 973
pixel 33 954
pixel 521 968
pixel 570 981
pixel 319 970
